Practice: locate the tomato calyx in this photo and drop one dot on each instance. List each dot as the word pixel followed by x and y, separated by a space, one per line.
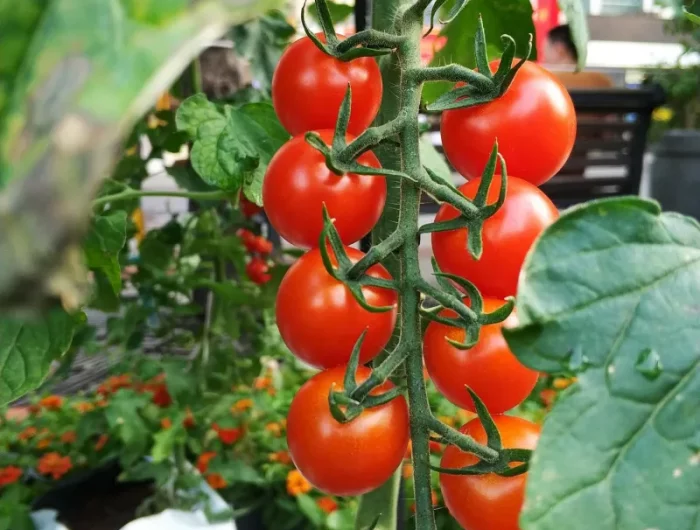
pixel 482 86
pixel 494 457
pixel 367 43
pixel 342 273
pixel 353 400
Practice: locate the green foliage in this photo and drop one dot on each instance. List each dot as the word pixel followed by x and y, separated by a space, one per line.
pixel 27 349
pixel 72 82
pixel 261 42
pixel 339 12
pixel 513 17
pixel 610 291
pixel 103 244
pixel 232 145
pixel 577 18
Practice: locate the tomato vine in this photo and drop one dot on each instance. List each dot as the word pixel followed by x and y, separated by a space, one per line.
pixel 305 204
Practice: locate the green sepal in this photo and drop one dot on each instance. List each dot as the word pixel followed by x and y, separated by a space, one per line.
pixel 493 437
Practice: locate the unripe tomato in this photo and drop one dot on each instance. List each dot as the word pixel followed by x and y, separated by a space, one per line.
pixel 487 502
pixel 507 237
pixel 298 183
pixel 308 88
pixel 534 122
pixel 345 458
pixel 320 320
pixel 490 369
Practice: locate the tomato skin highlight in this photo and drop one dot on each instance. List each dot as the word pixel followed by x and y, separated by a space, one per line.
pixel 490 369
pixel 345 459
pixel 487 502
pixel 298 183
pixel 507 237
pixel 534 122
pixel 308 88
pixel 319 319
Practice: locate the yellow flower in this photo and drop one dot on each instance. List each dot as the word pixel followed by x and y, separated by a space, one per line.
pixel 560 383
pixel 297 484
pixel 274 428
pixel 662 114
pixel 242 405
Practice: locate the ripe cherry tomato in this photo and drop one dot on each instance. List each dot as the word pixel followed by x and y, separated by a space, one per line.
pixel 345 458
pixel 490 369
pixel 487 502
pixel 257 270
pixel 319 319
pixel 507 236
pixel 298 183
pixel 534 121
pixel 308 88
pixel 249 208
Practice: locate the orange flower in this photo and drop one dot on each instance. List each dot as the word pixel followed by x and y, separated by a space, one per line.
pixel 281 456
pixel 261 383
pixel 407 471
pixel 28 433
pixel 9 475
pixel 203 461
pixel 547 396
pixel 229 436
pixel 101 403
pixel 297 484
pixel 165 423
pixel 54 464
pixel 68 437
pixel 101 442
pixel 274 428
pixel 216 481
pixel 51 402
pixel 44 443
pixel 242 405
pixel 161 396
pixel 271 391
pixel 327 504
pixel 560 383
pixel 435 447
pixel 84 407
pixel 114 383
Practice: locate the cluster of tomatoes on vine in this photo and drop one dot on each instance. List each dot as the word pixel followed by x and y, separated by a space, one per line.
pixel 258 246
pixel 319 318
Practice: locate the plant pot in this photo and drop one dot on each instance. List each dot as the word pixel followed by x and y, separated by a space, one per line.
pixel 675 172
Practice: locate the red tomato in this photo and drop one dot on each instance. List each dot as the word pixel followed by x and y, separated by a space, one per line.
pixel 257 270
pixel 490 369
pixel 308 88
pixel 319 319
pixel 249 208
pixel 534 122
pixel 487 502
pixel 507 236
pixel 298 183
pixel 351 458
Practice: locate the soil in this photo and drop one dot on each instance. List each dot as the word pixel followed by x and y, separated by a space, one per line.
pixel 97 502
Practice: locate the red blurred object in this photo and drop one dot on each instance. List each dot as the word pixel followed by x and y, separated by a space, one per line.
pixel 429 45
pixel 545 18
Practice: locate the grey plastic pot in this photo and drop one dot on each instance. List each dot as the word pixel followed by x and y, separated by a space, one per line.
pixel 675 172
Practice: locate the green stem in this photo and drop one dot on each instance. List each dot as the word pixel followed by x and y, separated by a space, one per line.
pixel 453 73
pixel 465 443
pixel 129 194
pixel 447 300
pixel 370 37
pixel 373 137
pixel 377 254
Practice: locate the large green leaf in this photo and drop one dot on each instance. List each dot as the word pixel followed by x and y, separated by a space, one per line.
pixel 611 290
pixel 577 18
pixel 261 42
pixel 232 145
pixel 74 77
pixel 338 12
pixel 512 17
pixel 27 348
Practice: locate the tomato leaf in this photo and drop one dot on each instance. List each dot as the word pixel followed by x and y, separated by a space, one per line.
pixel 513 17
pixel 617 283
pixel 27 348
pixel 310 509
pixel 103 244
pixel 695 19
pixel 232 145
pixel 127 424
pixel 261 43
pixel 577 18
pixel 236 471
pixel 164 441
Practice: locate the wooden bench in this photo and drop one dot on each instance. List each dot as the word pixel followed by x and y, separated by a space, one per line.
pixel 607 159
